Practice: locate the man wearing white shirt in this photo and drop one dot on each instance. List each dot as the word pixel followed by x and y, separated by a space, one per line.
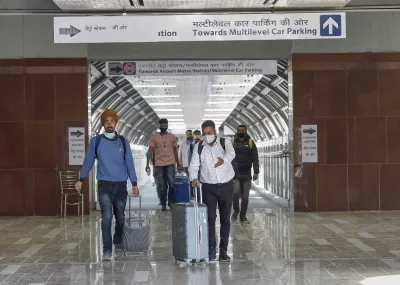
pixel 183 153
pixel 213 157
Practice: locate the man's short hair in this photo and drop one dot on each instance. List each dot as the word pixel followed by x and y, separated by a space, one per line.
pixel 208 123
pixel 188 131
pixel 163 121
pixel 197 132
pixel 242 126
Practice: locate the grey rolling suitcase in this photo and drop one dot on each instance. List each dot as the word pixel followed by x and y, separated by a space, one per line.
pixel 136 233
pixel 190 231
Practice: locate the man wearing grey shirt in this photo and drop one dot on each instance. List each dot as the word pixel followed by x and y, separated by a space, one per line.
pixel 213 157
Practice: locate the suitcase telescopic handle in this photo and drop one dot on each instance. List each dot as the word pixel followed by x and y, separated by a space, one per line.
pixel 201 194
pixel 140 209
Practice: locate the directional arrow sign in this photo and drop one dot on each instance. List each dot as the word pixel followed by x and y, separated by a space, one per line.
pixel 76 145
pixel 309 131
pixel 330 23
pixel 309 143
pixel 115 68
pixel 71 31
pixel 77 133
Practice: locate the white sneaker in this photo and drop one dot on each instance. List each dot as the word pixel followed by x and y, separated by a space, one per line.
pixel 107 256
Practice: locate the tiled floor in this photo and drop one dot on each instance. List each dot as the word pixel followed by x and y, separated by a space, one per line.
pixel 277 247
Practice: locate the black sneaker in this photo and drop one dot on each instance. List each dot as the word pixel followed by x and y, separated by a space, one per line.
pixel 234 216
pixel 212 253
pixel 244 220
pixel 224 257
pixel 163 209
pixel 107 256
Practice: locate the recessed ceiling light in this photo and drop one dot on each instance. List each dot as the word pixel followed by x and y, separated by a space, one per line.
pixel 164 103
pixel 233 84
pixel 216 115
pixel 160 96
pixel 222 102
pixel 168 110
pixel 218 110
pixel 226 95
pixel 152 86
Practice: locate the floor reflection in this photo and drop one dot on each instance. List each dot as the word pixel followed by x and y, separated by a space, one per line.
pixel 276 247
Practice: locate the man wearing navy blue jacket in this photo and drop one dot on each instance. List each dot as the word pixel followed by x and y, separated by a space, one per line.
pixel 115 165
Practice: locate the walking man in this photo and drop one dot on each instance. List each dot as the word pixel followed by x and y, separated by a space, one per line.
pixel 213 157
pixel 164 144
pixel 184 151
pixel 115 165
pixel 246 158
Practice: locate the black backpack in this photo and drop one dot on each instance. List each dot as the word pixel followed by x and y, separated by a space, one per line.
pixel 98 139
pixel 222 142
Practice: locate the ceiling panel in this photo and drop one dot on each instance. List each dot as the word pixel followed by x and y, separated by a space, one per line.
pixel 355 3
pixel 28 5
pixel 193 4
pixel 94 4
pixel 310 3
pixel 179 4
pixel 182 4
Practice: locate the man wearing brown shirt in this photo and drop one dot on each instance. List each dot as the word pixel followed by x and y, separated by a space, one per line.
pixel 164 145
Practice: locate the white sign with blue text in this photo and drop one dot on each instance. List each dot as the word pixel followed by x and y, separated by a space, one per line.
pixel 177 28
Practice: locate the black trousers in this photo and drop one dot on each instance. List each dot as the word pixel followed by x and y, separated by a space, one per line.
pixel 221 195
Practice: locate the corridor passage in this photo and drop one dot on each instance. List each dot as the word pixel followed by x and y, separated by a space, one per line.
pixel 150 200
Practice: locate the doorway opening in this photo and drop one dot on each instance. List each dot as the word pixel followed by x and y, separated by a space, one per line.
pixel 258 100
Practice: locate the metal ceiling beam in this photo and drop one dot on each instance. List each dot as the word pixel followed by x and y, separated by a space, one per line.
pixel 109 94
pixel 165 11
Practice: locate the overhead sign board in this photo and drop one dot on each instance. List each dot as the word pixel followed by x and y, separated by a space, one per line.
pixel 76 145
pixel 214 27
pixel 172 68
pixel 309 143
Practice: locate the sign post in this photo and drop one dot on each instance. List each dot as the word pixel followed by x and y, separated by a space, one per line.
pixel 76 145
pixel 192 27
pixel 309 143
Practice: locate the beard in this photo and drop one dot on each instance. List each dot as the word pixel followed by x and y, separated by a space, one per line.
pixel 109 129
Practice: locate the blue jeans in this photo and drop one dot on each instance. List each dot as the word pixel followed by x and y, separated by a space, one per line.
pixel 112 196
pixel 166 179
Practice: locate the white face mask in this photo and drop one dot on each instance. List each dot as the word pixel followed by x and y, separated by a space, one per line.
pixel 210 138
pixel 109 135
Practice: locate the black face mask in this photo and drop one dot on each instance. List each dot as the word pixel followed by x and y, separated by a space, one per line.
pixel 241 135
pixel 190 138
pixel 163 130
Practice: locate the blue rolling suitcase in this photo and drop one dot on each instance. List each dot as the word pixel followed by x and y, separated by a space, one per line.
pixel 181 189
pixel 190 231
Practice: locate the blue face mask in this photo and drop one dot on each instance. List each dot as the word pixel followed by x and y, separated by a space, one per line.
pixel 109 135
